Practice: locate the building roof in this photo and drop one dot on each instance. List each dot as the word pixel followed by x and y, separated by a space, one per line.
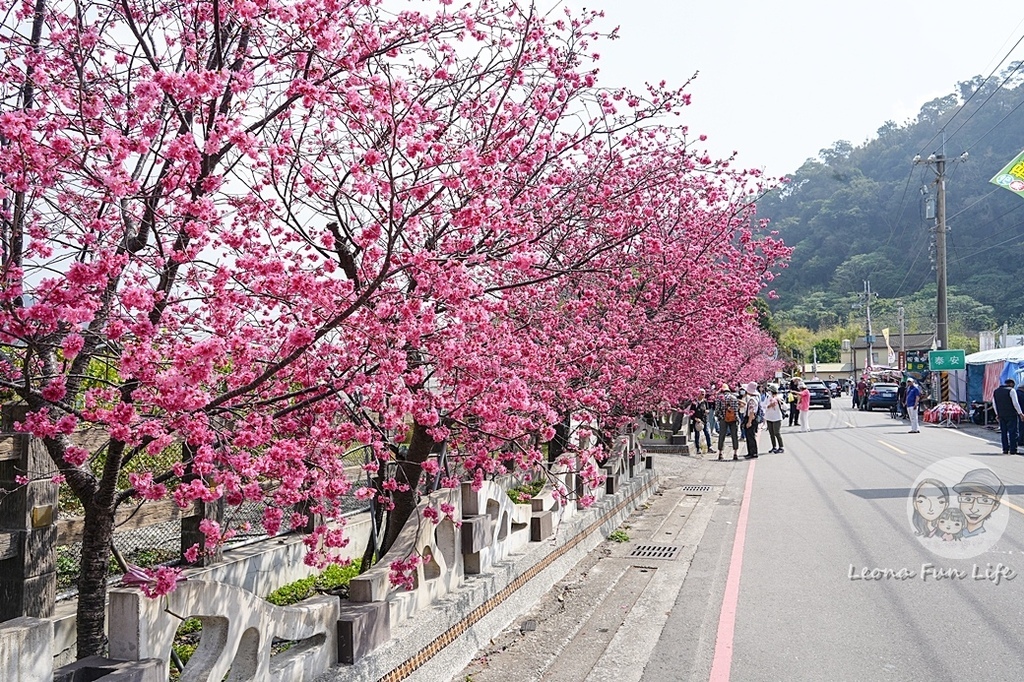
pixel 912 341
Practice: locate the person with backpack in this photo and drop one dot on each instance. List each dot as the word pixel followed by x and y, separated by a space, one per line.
pixel 753 416
pixel 727 410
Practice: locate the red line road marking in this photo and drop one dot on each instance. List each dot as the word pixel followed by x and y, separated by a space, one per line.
pixel 721 665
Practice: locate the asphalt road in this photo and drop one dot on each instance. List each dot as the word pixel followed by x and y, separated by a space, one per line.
pixel 798 566
pixel 834 583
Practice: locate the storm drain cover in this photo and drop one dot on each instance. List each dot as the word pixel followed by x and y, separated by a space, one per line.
pixel 696 488
pixel 655 551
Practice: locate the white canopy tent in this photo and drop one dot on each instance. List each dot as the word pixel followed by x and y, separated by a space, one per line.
pixel 1011 354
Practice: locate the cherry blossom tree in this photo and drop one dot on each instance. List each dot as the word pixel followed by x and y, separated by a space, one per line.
pixel 298 227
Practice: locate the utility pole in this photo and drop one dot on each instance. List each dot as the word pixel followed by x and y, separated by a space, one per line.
pixel 870 338
pixel 939 163
pixel 903 329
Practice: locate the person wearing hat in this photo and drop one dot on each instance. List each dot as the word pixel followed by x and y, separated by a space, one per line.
pixel 913 401
pixel 979 494
pixel 1008 411
pixel 751 406
pixel 773 419
pixel 727 411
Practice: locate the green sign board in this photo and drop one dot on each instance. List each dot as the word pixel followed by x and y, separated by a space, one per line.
pixel 917 361
pixel 947 360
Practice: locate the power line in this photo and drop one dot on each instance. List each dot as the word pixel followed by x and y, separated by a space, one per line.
pixel 997 244
pixel 967 208
pixel 998 123
pixel 976 91
pixel 990 95
pixel 899 216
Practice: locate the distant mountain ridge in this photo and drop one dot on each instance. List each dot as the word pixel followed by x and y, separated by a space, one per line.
pixel 858 213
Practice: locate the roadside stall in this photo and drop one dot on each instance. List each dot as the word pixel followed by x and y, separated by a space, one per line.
pixel 988 369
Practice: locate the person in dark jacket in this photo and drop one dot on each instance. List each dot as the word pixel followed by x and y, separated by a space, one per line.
pixel 1008 412
pixel 901 400
pixel 1020 424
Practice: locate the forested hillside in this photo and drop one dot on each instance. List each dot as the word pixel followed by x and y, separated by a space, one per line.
pixel 859 213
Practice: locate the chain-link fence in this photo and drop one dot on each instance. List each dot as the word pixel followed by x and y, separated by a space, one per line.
pixel 151 534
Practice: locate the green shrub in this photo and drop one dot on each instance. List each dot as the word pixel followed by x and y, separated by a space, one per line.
pixel 522 493
pixel 332 578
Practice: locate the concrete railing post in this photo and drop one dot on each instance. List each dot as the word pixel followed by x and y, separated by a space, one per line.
pixel 28 531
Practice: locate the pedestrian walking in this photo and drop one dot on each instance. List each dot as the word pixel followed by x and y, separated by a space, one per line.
pixel 727 411
pixel 914 406
pixel 751 410
pixel 1008 412
pixel 803 404
pixel 773 418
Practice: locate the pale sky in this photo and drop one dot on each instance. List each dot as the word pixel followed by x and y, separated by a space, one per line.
pixel 781 79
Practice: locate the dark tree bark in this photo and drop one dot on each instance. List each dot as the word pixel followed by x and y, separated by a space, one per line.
pixel 421 444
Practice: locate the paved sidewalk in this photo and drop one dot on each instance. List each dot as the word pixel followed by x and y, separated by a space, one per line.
pixel 605 618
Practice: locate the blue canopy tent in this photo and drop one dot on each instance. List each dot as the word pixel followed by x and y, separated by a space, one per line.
pixel 1012 367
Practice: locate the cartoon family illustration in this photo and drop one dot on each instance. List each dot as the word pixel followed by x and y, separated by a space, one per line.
pixel 978 495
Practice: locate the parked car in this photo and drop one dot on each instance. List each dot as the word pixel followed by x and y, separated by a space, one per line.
pixel 821 395
pixel 882 395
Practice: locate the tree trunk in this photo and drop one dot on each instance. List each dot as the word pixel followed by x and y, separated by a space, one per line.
pixel 92 580
pixel 97 536
pixel 420 446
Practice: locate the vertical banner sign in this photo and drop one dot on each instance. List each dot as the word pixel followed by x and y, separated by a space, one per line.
pixel 892 355
pixel 1012 176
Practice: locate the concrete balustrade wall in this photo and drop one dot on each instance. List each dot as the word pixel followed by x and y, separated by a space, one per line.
pixel 486 535
pixel 238 631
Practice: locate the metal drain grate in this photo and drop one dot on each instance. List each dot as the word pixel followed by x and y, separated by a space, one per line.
pixel 655 551
pixel 696 488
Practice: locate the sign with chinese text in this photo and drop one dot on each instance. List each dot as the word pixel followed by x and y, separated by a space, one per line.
pixel 917 361
pixel 1012 176
pixel 947 360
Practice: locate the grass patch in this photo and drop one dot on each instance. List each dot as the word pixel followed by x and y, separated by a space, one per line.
pixel 618 536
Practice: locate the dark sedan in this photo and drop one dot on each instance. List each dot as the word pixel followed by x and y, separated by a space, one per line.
pixel 820 394
pixel 882 395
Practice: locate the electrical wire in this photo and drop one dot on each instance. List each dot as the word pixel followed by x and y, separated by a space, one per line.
pixel 997 244
pixel 899 216
pixel 998 123
pixel 908 271
pixel 990 96
pixel 976 91
pixel 967 208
